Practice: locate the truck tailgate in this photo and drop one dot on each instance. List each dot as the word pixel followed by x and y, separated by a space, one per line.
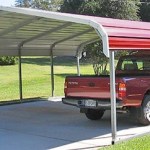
pixel 87 87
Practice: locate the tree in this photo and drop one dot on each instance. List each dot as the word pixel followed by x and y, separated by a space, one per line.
pixel 145 10
pixel 23 3
pixel 71 6
pixel 52 5
pixel 123 9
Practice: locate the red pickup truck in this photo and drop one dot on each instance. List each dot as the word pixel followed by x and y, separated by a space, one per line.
pixel 92 93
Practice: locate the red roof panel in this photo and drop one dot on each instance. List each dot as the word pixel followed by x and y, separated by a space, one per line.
pixel 129 43
pixel 125 34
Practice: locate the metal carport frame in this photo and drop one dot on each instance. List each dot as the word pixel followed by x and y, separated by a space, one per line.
pixel 29 32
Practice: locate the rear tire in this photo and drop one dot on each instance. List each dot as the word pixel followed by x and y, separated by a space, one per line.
pixel 94 114
pixel 144 112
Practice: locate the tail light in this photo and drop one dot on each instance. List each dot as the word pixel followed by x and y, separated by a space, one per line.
pixel 122 90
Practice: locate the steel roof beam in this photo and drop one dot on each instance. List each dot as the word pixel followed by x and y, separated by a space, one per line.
pixel 51 54
pixel 19 25
pixel 46 32
pixel 72 36
pixel 67 38
pixel 78 53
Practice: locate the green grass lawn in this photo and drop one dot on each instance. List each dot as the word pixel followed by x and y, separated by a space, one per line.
pixel 36 77
pixel 141 143
pixel 37 83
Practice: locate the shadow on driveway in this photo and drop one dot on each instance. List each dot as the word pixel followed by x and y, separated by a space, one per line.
pixel 52 125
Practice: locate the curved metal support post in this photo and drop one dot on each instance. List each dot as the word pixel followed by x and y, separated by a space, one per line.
pixel 103 35
pixel 52 70
pixel 113 98
pixel 20 71
pixel 79 51
pixel 78 56
pixel 53 45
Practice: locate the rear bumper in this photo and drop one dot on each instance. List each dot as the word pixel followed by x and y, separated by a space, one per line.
pixel 100 104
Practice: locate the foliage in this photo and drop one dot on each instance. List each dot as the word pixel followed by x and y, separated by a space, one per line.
pixel 52 5
pixel 98 58
pixel 23 3
pixel 71 6
pixel 121 53
pixel 145 10
pixel 127 9
pixel 7 60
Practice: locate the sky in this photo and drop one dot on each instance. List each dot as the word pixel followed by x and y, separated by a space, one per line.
pixel 7 2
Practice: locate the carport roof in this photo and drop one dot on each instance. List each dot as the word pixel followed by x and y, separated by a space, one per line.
pixel 36 32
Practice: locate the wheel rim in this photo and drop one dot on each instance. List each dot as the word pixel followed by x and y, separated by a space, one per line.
pixel 147 111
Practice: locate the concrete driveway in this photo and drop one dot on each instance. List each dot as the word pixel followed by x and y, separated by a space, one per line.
pixel 46 125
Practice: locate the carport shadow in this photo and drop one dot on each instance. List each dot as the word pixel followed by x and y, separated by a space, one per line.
pixel 45 61
pixel 57 124
pixel 58 61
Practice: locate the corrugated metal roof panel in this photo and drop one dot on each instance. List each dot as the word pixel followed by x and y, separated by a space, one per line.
pixel 37 30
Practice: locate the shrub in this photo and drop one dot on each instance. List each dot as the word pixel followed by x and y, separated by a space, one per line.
pixel 7 60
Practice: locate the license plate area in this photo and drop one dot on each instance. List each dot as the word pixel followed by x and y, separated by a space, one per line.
pixel 90 103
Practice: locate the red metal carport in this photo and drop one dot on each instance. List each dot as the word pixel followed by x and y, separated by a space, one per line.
pixel 30 32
